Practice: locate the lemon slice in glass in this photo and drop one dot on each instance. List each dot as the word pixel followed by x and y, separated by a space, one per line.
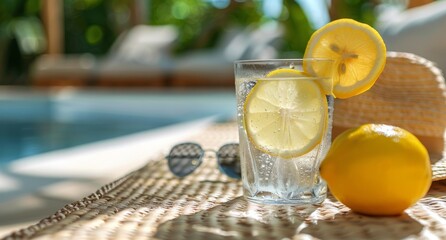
pixel 359 53
pixel 285 114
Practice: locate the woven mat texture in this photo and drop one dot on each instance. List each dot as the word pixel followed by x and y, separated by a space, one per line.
pixel 151 203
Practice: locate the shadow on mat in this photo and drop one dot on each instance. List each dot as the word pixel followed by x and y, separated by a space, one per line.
pixel 239 219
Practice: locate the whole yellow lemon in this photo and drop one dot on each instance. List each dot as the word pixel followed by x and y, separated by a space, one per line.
pixel 377 169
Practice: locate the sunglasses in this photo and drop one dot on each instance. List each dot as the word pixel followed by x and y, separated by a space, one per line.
pixel 185 158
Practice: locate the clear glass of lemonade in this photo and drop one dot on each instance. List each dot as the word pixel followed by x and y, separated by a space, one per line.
pixel 285 111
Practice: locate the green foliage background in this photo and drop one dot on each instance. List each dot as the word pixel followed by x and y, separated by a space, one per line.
pixel 91 26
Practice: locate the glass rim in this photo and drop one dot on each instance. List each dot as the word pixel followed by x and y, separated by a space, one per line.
pixel 278 60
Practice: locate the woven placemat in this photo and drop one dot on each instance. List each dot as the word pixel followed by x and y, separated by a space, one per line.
pixel 151 203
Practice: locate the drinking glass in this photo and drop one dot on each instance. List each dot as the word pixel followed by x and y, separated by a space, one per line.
pixel 268 178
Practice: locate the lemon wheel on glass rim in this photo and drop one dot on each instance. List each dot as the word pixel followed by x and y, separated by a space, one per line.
pixel 286 118
pixel 359 53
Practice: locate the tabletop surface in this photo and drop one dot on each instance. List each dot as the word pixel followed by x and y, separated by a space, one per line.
pixel 150 203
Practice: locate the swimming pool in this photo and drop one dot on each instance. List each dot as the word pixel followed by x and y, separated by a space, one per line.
pixel 36 121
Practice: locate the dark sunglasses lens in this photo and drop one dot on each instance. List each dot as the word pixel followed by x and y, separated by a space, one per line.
pixel 184 158
pixel 228 157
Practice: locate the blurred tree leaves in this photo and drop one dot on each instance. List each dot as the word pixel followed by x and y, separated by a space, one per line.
pixel 22 38
pixel 92 26
pixel 360 10
pixel 89 26
pixel 201 22
pixel 298 29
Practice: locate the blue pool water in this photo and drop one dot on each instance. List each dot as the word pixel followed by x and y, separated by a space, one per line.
pixel 34 123
pixel 27 138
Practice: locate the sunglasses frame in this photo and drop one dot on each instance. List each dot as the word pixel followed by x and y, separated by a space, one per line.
pixel 196 159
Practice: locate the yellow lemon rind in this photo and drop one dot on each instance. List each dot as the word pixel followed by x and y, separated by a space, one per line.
pixel 377 169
